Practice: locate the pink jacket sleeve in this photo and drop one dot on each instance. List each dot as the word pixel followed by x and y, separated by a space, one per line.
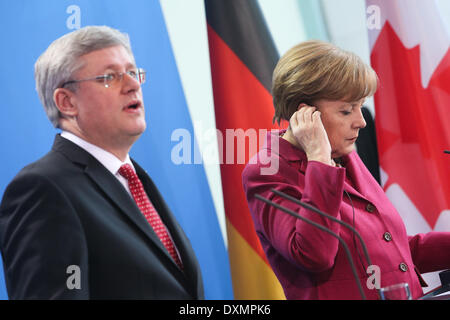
pixel 299 242
pixel 430 251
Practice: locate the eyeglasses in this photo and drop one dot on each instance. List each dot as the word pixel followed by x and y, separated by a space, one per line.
pixel 113 78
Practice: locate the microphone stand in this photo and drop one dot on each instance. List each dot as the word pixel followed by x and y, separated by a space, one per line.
pixel 344 245
pixel 309 207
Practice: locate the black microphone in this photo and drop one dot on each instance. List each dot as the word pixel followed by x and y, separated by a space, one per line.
pixel 444 287
pixel 344 245
pixel 314 209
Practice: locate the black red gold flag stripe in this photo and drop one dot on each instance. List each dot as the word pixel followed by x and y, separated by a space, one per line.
pixel 242 56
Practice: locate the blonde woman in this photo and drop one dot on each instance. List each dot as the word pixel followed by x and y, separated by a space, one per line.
pixel 320 90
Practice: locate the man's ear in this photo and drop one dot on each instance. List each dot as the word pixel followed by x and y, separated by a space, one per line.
pixel 65 101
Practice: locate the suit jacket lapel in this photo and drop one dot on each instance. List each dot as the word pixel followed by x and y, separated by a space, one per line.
pixel 182 243
pixel 112 189
pixel 357 176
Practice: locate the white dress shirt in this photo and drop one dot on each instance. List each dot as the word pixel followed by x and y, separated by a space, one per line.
pixel 107 159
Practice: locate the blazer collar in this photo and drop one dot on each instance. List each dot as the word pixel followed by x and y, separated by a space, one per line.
pixel 116 193
pixel 284 149
pixel 182 242
pixel 362 181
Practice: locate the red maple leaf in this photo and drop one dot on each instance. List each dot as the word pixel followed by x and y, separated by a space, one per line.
pixel 411 123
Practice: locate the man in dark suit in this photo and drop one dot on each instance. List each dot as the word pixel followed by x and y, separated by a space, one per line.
pixel 367 145
pixel 86 221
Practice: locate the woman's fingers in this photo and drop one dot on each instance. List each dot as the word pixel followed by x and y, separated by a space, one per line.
pixel 305 114
pixel 307 127
pixel 302 119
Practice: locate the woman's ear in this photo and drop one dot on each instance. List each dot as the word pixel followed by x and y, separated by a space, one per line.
pixel 65 102
pixel 301 105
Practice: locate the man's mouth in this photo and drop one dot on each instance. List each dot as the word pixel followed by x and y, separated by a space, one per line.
pixel 133 105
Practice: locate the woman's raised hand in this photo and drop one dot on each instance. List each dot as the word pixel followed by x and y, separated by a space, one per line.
pixel 307 127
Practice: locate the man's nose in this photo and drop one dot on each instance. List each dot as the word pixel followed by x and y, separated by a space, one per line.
pixel 130 83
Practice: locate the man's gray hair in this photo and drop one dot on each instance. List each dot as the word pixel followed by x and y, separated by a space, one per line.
pixel 61 60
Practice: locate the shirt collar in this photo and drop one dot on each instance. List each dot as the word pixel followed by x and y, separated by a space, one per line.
pixel 107 159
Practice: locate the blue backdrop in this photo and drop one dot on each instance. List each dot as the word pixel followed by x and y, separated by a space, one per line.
pixel 27 28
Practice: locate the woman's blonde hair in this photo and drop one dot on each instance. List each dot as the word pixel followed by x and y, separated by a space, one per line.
pixel 316 70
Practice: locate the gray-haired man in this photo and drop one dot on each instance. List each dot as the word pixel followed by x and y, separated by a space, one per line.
pixel 86 221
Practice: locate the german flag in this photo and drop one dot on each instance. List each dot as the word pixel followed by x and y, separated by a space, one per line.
pixel 243 57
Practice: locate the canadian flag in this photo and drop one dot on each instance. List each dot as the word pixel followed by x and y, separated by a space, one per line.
pixel 409 45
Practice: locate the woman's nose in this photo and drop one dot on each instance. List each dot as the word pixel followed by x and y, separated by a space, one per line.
pixel 360 122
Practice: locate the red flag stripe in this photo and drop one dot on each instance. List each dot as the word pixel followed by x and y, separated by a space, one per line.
pixel 241 102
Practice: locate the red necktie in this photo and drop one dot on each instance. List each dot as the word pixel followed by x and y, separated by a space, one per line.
pixel 147 209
